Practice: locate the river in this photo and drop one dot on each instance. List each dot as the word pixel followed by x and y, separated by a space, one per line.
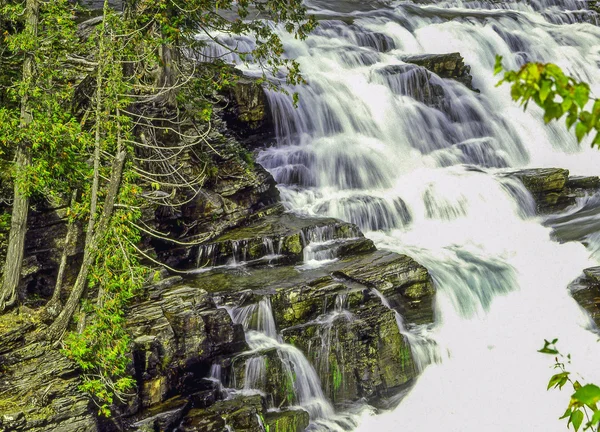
pixel 424 181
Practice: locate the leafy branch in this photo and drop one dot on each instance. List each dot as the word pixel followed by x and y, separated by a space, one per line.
pixel 584 400
pixel 557 94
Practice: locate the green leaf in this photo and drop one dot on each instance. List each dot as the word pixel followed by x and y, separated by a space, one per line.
pixel 558 380
pixel 581 95
pixel 571 119
pixel 498 65
pixel 580 131
pixel 545 89
pixel 566 414
pixel 576 418
pixel 589 394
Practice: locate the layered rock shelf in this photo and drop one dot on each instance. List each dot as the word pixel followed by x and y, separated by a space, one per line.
pixel 552 188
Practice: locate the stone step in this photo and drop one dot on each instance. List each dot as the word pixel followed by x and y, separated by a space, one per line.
pixel 281 238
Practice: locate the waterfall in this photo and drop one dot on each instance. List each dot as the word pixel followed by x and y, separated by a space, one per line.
pixel 419 176
pixel 414 160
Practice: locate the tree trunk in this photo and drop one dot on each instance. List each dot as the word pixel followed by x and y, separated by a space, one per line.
pixel 20 210
pixel 169 58
pixel 59 326
pixel 54 306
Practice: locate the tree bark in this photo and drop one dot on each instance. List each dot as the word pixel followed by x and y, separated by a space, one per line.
pixel 59 326
pixel 54 306
pixel 20 210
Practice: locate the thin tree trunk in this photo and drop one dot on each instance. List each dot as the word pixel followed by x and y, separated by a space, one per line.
pixel 54 306
pixel 20 210
pixel 169 57
pixel 59 326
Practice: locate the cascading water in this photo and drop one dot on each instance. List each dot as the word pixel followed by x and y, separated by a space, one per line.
pixel 366 145
pixel 414 160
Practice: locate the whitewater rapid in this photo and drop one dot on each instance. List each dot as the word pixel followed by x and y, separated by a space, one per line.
pixel 361 148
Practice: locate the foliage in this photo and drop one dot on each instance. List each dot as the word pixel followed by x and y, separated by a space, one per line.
pixel 557 94
pixel 585 398
pixel 135 60
pixel 56 142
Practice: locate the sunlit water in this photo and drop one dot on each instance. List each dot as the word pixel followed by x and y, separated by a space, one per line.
pixel 424 181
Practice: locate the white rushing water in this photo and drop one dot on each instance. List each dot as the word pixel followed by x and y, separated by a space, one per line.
pixel 423 180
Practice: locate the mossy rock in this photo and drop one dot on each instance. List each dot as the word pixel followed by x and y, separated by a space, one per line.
pixel 277 381
pixel 241 414
pixel 364 356
pixel 287 421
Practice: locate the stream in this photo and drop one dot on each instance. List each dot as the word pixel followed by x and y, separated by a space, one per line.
pixel 425 180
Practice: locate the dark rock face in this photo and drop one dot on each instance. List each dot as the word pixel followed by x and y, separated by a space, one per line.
pixel 547 186
pixel 451 66
pixel 40 392
pixel 247 113
pixel 177 330
pixel 586 291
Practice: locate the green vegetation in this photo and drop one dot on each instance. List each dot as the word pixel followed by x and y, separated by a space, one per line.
pixel 559 95
pixel 585 397
pixel 88 119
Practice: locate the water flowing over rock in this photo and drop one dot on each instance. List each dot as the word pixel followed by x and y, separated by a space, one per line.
pixel 451 66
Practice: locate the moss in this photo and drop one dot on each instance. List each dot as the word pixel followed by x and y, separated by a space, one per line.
pixel 418 290
pixel 293 244
pixel 336 374
pixel 287 421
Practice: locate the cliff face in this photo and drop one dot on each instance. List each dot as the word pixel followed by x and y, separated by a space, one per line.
pixel 189 344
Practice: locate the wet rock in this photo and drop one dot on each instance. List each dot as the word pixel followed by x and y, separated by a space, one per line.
pixel 284 236
pixel 547 186
pixel 241 414
pixel 586 291
pixel 294 420
pixel 405 283
pixel 451 66
pixel 583 182
pixel 305 302
pixel 414 81
pixel 174 333
pixel 357 354
pixel 266 371
pixel 163 417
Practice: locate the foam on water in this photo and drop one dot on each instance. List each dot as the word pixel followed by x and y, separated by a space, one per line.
pixel 421 178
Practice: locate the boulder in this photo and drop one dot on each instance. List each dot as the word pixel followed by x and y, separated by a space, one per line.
pixel 547 187
pixel 405 284
pixel 450 66
pixel 241 414
pixel 177 330
pixel 586 291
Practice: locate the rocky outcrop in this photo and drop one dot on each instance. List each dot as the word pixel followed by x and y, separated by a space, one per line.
pixel 450 66
pixel 281 237
pixel 342 316
pixel 586 291
pixel 552 188
pixel 178 329
pixel 39 392
pixel 357 354
pixel 405 284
